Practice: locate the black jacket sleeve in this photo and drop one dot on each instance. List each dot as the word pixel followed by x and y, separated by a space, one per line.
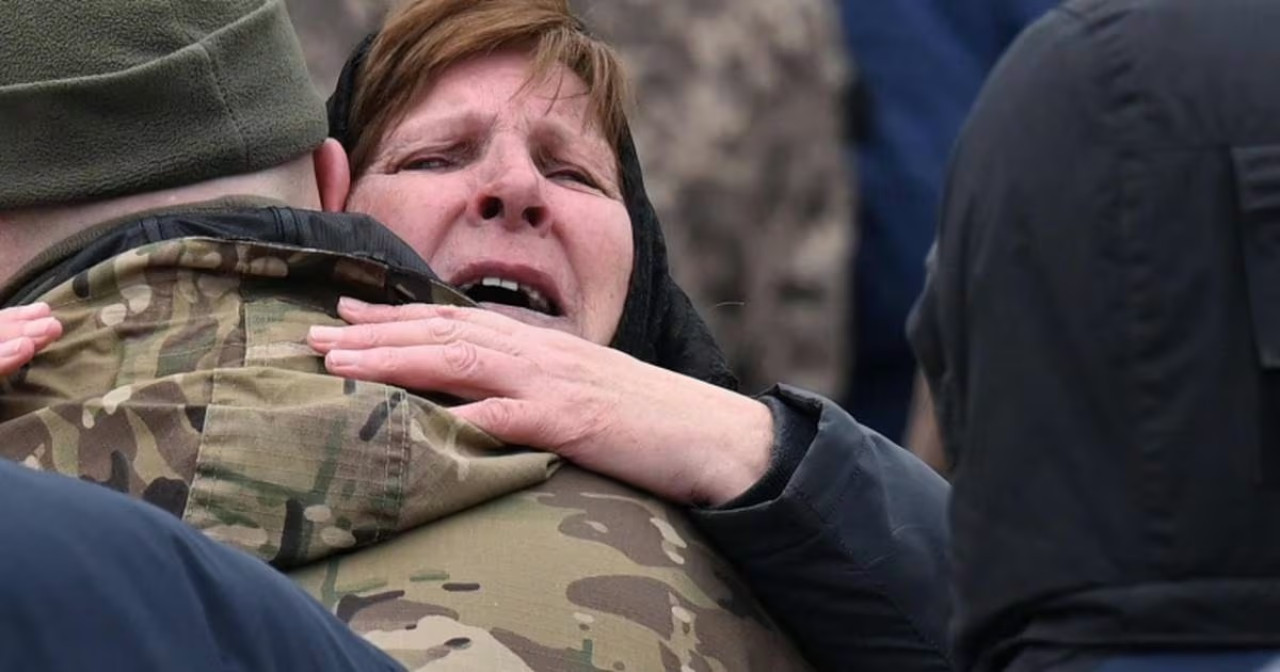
pixel 844 542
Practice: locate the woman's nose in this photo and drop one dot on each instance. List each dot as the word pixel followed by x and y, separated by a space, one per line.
pixel 510 212
pixel 514 200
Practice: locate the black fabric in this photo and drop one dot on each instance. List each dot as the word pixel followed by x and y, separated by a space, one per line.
pixel 97 581
pixel 354 235
pixel 793 432
pixel 659 324
pixel 1099 332
pixel 851 557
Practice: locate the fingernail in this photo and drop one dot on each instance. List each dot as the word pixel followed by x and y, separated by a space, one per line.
pixel 324 334
pixel 39 327
pixel 11 347
pixel 342 358
pixel 351 304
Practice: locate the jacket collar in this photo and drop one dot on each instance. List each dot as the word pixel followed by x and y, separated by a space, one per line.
pixel 237 218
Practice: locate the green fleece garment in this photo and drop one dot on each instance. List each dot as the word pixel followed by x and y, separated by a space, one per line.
pixel 104 98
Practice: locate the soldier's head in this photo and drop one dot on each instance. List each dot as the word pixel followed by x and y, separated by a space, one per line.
pixel 487 134
pixel 109 107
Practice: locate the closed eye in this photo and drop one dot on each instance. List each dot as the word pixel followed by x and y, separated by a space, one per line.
pixel 441 157
pixel 428 163
pixel 573 175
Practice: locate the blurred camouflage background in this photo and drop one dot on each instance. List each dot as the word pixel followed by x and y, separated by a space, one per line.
pixel 737 117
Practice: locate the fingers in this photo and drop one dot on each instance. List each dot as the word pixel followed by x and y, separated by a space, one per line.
pixel 462 369
pixel 24 330
pixel 29 312
pixel 14 353
pixel 430 331
pixel 510 421
pixel 31 321
pixel 40 331
pixel 359 312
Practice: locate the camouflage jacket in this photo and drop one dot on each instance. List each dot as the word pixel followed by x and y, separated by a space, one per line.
pixel 183 378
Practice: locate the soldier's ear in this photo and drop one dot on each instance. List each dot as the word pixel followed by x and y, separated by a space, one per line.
pixel 333 175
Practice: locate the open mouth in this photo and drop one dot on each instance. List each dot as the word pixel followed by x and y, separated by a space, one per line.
pixel 506 292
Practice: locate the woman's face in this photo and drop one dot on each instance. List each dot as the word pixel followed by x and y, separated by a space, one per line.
pixel 509 194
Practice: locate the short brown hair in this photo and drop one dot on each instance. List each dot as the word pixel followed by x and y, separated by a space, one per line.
pixel 421 38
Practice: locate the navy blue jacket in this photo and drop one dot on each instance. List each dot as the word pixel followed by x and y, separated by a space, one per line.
pixel 921 64
pixel 93 580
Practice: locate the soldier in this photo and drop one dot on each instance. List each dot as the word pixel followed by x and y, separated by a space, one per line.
pixel 329 29
pixel 92 579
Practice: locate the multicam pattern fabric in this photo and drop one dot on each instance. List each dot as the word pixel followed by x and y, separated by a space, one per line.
pixel 502 587
pixel 183 379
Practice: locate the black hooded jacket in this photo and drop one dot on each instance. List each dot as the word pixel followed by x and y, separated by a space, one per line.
pixel 1102 335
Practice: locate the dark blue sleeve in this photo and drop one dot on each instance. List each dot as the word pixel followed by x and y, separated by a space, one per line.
pixel 851 556
pixel 921 63
pixel 90 579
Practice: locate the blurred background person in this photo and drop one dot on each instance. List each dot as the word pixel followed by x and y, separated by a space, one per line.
pixel 920 65
pixel 740 122
pixel 329 29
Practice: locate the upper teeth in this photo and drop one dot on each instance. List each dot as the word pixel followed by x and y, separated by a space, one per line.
pixel 536 300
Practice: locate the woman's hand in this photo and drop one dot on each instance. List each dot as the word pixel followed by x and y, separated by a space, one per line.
pixel 24 331
pixel 680 438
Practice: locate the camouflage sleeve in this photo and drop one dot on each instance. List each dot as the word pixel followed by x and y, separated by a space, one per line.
pixel 851 557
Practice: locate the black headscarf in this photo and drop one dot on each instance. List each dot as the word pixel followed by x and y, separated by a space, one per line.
pixel 659 324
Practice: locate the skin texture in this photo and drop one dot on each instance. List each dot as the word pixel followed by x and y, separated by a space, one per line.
pixel 484 135
pixel 490 175
pixel 24 331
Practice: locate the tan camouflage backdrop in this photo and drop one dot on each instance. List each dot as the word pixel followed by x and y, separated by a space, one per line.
pixel 738 124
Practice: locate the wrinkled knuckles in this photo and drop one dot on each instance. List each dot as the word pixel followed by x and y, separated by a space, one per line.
pixel 441 330
pixel 364 336
pixel 462 360
pixel 498 417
